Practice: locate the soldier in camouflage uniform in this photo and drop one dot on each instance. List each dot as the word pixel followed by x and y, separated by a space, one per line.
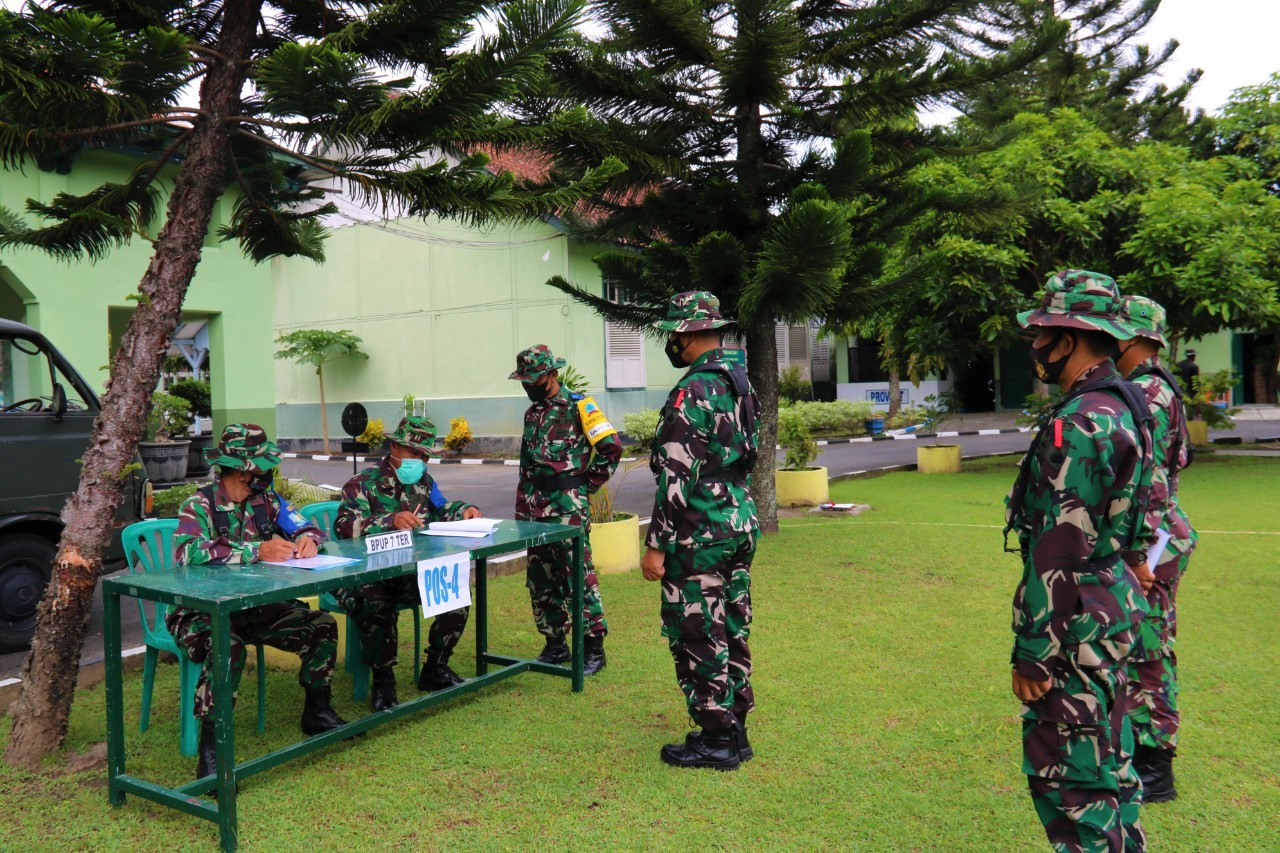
pixel 240 519
pixel 1076 509
pixel 398 494
pixel 561 464
pixel 1153 664
pixel 702 536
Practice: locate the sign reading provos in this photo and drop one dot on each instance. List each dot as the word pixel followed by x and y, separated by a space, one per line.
pixel 354 419
pixel 388 541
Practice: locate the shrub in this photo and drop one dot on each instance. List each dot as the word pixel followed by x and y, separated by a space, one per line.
pixel 641 427
pixel 842 417
pixel 1036 408
pixel 195 392
pixel 572 379
pixel 459 435
pixel 168 501
pixel 907 416
pixel 797 439
pixel 937 408
pixel 1204 390
pixel 793 386
pixel 169 416
pixel 374 433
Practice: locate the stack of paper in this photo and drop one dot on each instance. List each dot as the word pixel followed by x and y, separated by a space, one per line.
pixel 471 528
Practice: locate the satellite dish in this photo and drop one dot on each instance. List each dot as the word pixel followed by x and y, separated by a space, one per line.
pixel 354 419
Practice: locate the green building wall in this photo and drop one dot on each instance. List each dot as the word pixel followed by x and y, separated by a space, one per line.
pixel 81 306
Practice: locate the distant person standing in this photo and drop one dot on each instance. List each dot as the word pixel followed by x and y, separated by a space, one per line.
pixel 1188 370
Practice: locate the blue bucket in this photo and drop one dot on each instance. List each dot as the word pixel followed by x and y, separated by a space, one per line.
pixel 875 426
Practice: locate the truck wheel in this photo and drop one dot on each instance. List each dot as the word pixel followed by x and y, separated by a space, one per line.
pixel 25 565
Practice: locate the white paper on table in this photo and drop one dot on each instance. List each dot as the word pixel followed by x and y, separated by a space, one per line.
pixel 1155 551
pixel 317 563
pixel 444 583
pixel 470 528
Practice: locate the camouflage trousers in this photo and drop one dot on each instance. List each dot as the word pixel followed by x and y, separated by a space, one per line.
pixel 706 618
pixel 1077 752
pixel 549 577
pixel 375 610
pixel 290 626
pixel 1153 666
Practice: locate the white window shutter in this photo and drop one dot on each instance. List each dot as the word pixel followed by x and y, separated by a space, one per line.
pixel 624 357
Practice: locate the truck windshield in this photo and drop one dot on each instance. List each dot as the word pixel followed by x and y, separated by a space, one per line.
pixel 27 375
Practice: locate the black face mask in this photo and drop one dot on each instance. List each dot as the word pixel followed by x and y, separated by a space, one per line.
pixel 536 393
pixel 673 350
pixel 1048 372
pixel 260 484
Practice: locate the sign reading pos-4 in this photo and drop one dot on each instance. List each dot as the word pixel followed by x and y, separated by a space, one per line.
pixel 444 583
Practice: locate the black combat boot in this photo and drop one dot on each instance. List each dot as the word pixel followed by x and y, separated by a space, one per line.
pixel 318 715
pixel 383 693
pixel 745 752
pixel 1155 768
pixel 592 654
pixel 436 673
pixel 713 748
pixel 206 752
pixel 556 651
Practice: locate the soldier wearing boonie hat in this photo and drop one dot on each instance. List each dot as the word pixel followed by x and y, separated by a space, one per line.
pixel 398 494
pixel 1076 508
pixel 241 519
pixel 1153 664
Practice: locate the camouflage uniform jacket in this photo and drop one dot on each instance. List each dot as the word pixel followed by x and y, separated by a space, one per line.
pixel 371 499
pixel 197 541
pixel 554 445
pixel 1170 455
pixel 699 458
pixel 1076 517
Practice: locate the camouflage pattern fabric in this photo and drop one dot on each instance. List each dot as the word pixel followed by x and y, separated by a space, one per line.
pixel 706 618
pixel 699 459
pixel 290 626
pixel 416 432
pixel 693 311
pixel 553 447
pixel 370 501
pixel 534 361
pixel 197 541
pixel 1075 614
pixel 244 447
pixel 1080 299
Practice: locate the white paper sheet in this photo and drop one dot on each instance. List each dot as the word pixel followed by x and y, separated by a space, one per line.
pixel 1156 550
pixel 318 563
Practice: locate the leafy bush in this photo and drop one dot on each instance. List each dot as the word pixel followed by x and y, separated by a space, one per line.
pixel 168 501
pixel 842 417
pixel 938 408
pixel 797 439
pixel 572 379
pixel 793 386
pixel 907 416
pixel 1204 390
pixel 1036 408
pixel 195 392
pixel 374 433
pixel 641 427
pixel 459 435
pixel 300 493
pixel 169 416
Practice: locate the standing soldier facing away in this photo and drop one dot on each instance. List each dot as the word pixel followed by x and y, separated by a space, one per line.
pixel 1153 665
pixel 398 494
pixel 567 452
pixel 240 519
pixel 702 537
pixel 1076 508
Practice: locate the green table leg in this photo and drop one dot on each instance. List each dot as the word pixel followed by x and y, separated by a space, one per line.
pixel 114 695
pixel 579 582
pixel 482 615
pixel 224 723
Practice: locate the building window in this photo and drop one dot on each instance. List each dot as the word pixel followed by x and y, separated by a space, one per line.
pixel 864 362
pixel 623 349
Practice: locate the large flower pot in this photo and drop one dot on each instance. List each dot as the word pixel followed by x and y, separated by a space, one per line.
pixel 197 466
pixel 165 461
pixel 938 458
pixel 803 487
pixel 615 545
pixel 1198 431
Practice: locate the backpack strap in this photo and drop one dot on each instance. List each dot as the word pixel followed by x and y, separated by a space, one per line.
pixel 221 521
pixel 1183 438
pixel 748 412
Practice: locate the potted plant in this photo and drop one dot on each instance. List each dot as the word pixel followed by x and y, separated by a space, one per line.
pixel 1208 405
pixel 798 483
pixel 196 392
pixel 938 458
pixel 164 457
pixel 615 535
pixel 373 438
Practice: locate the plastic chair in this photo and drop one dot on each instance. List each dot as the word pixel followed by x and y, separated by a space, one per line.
pixel 148 547
pixel 323 515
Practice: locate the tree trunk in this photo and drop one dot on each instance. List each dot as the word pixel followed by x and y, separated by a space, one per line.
pixel 49 676
pixel 762 368
pixel 324 411
pixel 895 392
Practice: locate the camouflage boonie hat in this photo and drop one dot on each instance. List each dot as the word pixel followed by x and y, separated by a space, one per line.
pixel 693 311
pixel 416 433
pixel 1079 299
pixel 535 361
pixel 244 447
pixel 1144 318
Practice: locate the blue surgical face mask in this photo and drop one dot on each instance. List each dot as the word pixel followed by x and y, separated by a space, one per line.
pixel 410 471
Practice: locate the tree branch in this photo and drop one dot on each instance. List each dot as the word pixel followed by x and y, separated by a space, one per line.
pixel 262 140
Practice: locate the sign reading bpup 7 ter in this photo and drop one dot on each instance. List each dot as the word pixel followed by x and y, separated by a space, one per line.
pixel 444 583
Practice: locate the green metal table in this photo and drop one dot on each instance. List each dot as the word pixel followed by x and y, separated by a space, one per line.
pixel 223 590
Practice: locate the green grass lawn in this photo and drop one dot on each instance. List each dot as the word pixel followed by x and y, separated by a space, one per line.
pixel 885 720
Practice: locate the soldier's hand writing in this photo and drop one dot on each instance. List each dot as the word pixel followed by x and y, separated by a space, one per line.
pixel 1146 577
pixel 471 512
pixel 275 550
pixel 306 547
pixel 651 565
pixel 1029 690
pixel 406 521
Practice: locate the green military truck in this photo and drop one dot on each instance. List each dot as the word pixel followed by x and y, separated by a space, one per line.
pixel 46 418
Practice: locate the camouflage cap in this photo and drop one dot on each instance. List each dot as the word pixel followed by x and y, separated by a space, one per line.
pixel 1079 299
pixel 1144 318
pixel 693 311
pixel 244 447
pixel 416 433
pixel 535 361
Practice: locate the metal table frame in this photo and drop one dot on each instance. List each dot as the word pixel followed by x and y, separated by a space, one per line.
pixel 223 590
